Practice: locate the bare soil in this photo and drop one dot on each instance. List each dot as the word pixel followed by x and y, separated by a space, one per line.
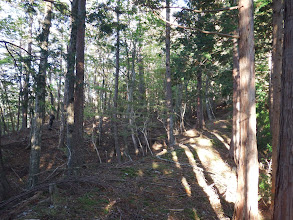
pixel 194 180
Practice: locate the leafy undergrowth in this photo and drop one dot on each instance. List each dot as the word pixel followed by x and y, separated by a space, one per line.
pixel 194 180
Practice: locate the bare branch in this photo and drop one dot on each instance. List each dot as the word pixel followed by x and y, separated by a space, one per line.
pixel 14 60
pixel 6 42
pixel 195 29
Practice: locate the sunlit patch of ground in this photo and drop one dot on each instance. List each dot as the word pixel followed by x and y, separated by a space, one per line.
pixel 213 173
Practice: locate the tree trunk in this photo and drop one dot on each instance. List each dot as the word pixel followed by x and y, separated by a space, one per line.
pixel 283 207
pixel 79 86
pixel 59 80
pixel 115 100
pixel 235 140
pixel 199 117
pixel 51 98
pixel 130 100
pixel 28 70
pixel 102 107
pixel 8 106
pixel 246 206
pixel 40 80
pixel 275 87
pixel 208 108
pixel 69 85
pixel 169 104
pixel 141 86
pixel 5 130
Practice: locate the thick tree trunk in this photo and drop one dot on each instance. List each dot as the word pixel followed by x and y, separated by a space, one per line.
pixel 246 206
pixel 115 100
pixel 40 100
pixel 283 207
pixel 68 122
pixel 199 116
pixel 79 86
pixel 235 140
pixel 275 87
pixel 169 104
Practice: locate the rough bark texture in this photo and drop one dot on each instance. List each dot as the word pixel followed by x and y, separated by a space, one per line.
pixel 40 80
pixel 169 103
pixel 283 208
pixel 130 100
pixel 275 87
pixel 69 85
pixel 246 206
pixel 115 100
pixel 141 86
pixel 199 116
pixel 235 141
pixel 79 85
pixel 28 70
pixel 208 109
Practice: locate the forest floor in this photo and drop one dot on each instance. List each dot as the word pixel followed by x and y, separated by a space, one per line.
pixel 194 180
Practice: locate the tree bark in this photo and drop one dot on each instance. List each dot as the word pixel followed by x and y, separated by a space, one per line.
pixel 169 103
pixel 130 100
pixel 283 207
pixel 199 117
pixel 69 85
pixel 275 87
pixel 28 70
pixel 141 86
pixel 5 130
pixel 209 110
pixel 79 86
pixel 235 140
pixel 115 100
pixel 40 100
pixel 246 206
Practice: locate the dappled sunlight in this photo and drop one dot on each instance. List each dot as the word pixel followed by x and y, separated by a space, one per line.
pixel 221 173
pixel 140 172
pixel 186 186
pixel 209 190
pixel 175 159
pixel 220 139
pixel 191 133
pixel 155 165
pixel 157 146
pixel 204 142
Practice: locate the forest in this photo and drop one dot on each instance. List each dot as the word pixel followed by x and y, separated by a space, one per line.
pixel 146 109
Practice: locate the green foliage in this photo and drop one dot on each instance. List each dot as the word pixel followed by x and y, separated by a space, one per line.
pixel 89 111
pixel 264 136
pixel 265 186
